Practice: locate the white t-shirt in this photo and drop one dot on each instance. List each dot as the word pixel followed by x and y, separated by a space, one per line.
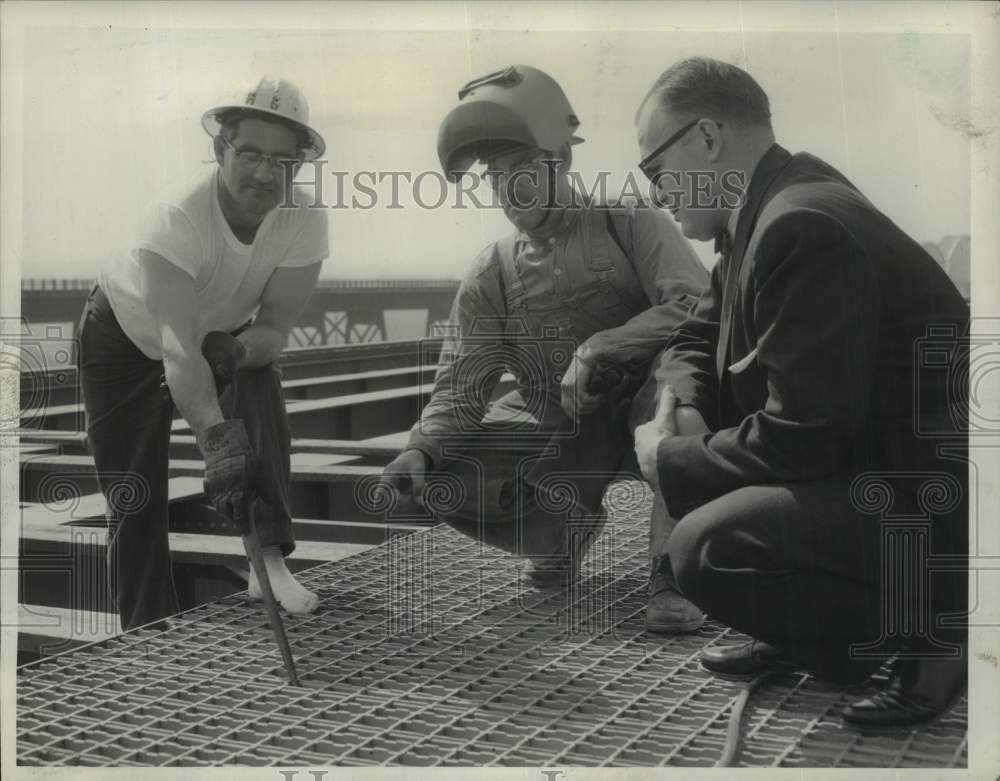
pixel 187 228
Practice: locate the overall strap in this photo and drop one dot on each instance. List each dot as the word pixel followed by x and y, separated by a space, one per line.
pixel 613 233
pixel 599 258
pixel 511 286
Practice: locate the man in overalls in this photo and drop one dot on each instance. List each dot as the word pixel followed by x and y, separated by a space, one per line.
pixel 576 303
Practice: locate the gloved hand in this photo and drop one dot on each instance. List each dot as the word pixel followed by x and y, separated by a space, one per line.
pixel 617 386
pixel 576 396
pixel 230 473
pixel 606 378
pixel 406 473
pixel 223 353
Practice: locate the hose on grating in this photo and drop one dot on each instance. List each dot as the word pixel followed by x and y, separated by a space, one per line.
pixel 731 748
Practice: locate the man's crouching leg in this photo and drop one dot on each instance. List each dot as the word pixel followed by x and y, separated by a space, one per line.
pixel 560 567
pixel 261 405
pixel 550 515
pixel 521 519
pixel 793 566
pixel 668 610
pixel 548 525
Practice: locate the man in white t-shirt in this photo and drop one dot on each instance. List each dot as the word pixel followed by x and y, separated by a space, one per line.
pixel 174 305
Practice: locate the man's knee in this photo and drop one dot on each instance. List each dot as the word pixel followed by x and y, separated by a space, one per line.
pixel 684 551
pixel 698 543
pixel 690 421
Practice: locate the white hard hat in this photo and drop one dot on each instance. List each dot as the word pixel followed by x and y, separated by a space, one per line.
pixel 271 97
pixel 516 105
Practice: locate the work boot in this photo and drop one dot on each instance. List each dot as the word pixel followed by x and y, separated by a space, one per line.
pixel 669 611
pixel 561 568
pixel 546 573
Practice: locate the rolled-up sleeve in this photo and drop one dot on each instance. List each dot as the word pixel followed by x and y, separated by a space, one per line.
pixel 673 279
pixel 472 359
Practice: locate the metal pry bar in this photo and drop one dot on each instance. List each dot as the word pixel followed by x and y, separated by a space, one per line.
pixel 251 543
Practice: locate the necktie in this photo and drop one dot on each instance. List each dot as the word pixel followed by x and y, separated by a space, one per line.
pixel 724 244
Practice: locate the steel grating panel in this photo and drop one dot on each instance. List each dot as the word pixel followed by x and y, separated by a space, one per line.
pixel 425 652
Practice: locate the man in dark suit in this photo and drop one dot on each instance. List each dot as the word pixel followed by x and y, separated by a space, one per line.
pixel 823 433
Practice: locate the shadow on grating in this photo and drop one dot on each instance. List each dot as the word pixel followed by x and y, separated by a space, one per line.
pixel 427 651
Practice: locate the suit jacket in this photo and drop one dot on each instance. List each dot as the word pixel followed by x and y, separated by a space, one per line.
pixel 804 355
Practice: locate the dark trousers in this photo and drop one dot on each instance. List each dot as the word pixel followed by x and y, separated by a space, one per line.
pixel 800 567
pixel 128 434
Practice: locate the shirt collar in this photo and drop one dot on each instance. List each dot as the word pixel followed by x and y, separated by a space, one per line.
pixel 724 243
pixel 557 226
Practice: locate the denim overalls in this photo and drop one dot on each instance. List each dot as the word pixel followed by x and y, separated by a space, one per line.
pixel 557 295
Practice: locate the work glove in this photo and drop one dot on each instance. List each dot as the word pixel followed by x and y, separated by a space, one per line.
pixel 223 353
pixel 406 473
pixel 230 471
pixel 576 396
pixel 616 386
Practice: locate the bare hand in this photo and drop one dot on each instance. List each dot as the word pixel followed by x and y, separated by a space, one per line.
pixel 649 435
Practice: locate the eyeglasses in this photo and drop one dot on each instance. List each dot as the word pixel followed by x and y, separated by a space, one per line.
pixel 252 158
pixel 646 166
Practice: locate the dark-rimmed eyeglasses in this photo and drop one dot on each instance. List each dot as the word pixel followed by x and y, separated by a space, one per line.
pixel 646 165
pixel 252 158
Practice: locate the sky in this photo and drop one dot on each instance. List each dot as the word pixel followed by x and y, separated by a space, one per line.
pixel 111 117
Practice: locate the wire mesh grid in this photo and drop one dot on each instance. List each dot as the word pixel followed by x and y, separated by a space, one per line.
pixel 428 651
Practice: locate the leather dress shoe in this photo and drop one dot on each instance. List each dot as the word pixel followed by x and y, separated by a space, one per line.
pixel 919 691
pixel 749 658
